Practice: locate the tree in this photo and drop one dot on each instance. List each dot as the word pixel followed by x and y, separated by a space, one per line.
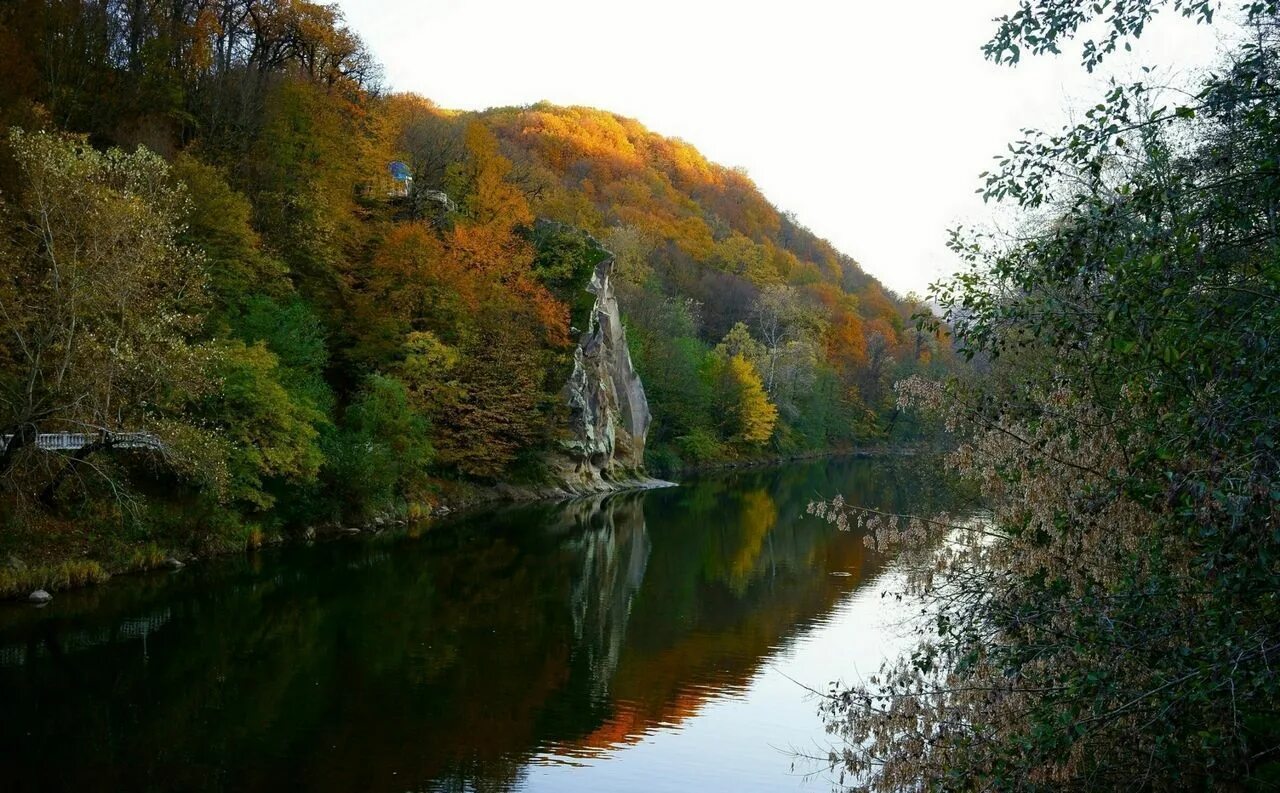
pixel 99 302
pixel 1112 624
pixel 266 433
pixel 220 224
pixel 1039 26
pixel 738 342
pixel 881 345
pixel 413 284
pixel 490 408
pixel 434 143
pixel 293 333
pixel 384 449
pixel 631 248
pixel 754 414
pixel 790 331
pixel 737 254
pixel 663 339
pixel 490 198
pixel 847 342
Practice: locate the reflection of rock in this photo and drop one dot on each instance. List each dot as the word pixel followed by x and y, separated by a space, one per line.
pixel 610 535
pixel 608 411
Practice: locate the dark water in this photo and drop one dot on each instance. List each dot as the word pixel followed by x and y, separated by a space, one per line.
pixel 640 642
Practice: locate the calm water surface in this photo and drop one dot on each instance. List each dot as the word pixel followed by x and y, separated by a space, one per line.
pixel 644 642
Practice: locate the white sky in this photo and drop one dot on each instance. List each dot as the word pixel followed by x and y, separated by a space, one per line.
pixel 869 120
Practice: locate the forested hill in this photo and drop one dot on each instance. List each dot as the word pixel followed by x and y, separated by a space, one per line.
pixel 323 299
pixel 707 267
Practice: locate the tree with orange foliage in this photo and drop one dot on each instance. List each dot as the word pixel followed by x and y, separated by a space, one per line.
pixel 882 347
pixel 846 342
pixel 491 198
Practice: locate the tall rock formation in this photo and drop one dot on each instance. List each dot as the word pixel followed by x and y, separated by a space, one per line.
pixel 608 413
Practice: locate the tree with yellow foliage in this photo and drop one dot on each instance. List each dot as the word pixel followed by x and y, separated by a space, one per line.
pixel 756 415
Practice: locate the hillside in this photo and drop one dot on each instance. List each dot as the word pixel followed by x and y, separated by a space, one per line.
pixel 315 301
pixel 707 268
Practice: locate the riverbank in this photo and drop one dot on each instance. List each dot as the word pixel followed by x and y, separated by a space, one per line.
pixel 763 462
pixel 60 555
pixel 54 554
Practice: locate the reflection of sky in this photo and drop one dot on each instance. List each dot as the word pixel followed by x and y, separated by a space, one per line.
pixel 744 741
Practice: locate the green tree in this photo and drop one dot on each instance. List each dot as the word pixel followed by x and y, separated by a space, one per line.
pixel 384 450
pixel 267 434
pixel 298 340
pixel 220 223
pixel 738 342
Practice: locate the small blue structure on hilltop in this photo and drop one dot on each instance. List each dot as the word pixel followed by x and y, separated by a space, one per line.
pixel 401 178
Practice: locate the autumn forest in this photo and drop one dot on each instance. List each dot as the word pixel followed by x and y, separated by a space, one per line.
pixel 326 302
pixel 278 336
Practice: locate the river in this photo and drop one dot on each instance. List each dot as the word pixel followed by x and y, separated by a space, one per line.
pixel 654 641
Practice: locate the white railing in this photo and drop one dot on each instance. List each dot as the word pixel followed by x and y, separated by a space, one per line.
pixel 70 441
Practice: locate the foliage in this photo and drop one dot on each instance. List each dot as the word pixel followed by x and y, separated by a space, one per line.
pixel 220 222
pixel 754 416
pixel 564 261
pixel 309 340
pixel 1040 25
pixel 384 450
pixel 294 335
pixel 1120 601
pixel 267 432
pixel 99 301
pixel 491 407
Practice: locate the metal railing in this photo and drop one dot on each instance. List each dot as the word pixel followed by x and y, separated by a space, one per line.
pixel 71 441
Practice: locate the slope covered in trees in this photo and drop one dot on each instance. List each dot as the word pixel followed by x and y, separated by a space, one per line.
pixel 720 289
pixel 204 240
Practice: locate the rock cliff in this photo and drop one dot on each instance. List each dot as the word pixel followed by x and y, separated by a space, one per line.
pixel 608 413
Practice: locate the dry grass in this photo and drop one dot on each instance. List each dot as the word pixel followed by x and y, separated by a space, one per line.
pixel 147 557
pixel 16 581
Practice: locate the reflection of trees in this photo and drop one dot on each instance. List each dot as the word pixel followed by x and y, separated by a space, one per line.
pixel 759 517
pixel 736 571
pixel 450 660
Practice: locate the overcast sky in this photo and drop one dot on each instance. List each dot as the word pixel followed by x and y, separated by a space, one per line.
pixel 869 120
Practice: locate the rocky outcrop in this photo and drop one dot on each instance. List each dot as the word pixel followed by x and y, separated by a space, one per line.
pixel 608 412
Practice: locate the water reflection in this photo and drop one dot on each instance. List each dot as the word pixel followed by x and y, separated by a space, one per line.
pixel 614 548
pixel 461 660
